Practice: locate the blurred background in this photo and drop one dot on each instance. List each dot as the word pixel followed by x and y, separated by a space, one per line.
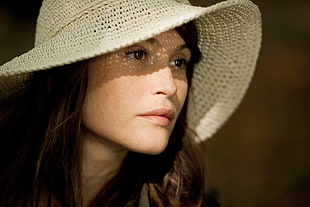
pixel 261 157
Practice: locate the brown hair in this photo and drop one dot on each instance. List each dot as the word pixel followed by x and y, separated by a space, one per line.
pixel 41 153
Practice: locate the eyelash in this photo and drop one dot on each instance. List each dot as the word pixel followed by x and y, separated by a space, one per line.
pixel 176 62
pixel 133 54
pixel 141 54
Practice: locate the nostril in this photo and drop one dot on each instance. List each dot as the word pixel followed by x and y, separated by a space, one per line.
pixel 167 90
pixel 164 83
pixel 160 92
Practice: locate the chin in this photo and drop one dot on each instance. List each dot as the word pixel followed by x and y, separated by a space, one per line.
pixel 146 140
pixel 151 148
pixel 155 151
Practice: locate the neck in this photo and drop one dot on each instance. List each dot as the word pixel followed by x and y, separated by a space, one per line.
pixel 101 161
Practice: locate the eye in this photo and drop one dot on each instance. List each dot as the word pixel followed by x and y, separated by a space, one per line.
pixel 137 54
pixel 179 63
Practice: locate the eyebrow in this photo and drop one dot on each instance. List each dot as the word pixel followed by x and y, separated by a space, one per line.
pixel 155 42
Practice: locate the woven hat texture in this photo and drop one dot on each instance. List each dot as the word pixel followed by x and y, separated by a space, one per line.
pixel 229 39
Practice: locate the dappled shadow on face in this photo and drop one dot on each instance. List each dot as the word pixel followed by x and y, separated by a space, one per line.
pixel 163 52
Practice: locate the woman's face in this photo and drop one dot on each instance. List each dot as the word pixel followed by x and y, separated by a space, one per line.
pixel 135 94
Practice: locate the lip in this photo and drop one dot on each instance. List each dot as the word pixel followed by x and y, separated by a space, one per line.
pixel 161 116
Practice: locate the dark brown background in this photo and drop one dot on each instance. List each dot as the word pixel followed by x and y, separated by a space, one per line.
pixel 261 157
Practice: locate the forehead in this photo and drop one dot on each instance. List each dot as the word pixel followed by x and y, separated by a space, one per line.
pixel 169 40
pixel 170 37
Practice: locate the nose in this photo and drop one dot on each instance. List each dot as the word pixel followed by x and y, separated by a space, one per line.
pixel 164 83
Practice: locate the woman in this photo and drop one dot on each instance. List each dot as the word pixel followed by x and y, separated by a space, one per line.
pixel 109 106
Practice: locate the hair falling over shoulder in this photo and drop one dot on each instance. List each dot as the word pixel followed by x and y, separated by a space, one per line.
pixel 41 153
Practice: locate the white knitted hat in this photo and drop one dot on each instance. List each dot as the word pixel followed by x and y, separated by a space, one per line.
pixel 229 39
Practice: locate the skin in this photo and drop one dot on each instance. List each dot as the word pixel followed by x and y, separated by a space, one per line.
pixel 133 99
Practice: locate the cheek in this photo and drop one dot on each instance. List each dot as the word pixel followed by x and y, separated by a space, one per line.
pixel 182 91
pixel 105 108
pixel 112 97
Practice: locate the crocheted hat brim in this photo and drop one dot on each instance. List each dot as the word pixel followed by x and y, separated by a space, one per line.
pixel 229 39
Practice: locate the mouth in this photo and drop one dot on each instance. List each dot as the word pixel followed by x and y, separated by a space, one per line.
pixel 161 117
